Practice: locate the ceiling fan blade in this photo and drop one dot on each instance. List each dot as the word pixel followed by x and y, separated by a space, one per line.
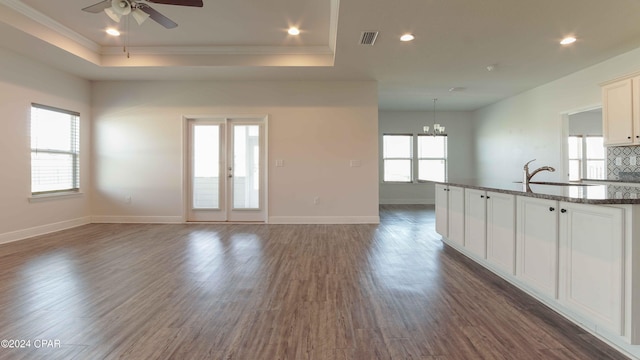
pixel 96 8
pixel 196 3
pixel 156 16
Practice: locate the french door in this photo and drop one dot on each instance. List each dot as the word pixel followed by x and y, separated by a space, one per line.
pixel 226 170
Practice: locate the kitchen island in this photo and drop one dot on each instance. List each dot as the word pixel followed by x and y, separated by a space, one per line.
pixel 575 247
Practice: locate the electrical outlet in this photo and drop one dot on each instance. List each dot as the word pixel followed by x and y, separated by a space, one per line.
pixel 127 199
pixel 632 160
pixel 316 200
pixel 618 161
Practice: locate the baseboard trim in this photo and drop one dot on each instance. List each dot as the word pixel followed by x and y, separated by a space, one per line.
pixel 43 229
pixel 407 201
pixel 107 219
pixel 324 220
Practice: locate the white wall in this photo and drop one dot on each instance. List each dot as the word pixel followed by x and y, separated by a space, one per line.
pixel 315 127
pixel 459 128
pixel 528 126
pixel 22 82
pixel 586 123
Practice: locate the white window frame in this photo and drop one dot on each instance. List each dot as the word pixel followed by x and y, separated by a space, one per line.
pixel 415 159
pixel 583 159
pixel 446 155
pixel 74 124
pixel 410 158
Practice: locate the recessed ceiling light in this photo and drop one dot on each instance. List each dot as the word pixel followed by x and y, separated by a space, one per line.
pixel 407 37
pixel 113 32
pixel 293 31
pixel 568 40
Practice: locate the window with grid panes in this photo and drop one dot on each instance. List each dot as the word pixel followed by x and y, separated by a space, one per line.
pixel 55 150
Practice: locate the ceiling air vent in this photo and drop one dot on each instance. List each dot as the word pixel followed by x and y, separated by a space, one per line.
pixel 368 37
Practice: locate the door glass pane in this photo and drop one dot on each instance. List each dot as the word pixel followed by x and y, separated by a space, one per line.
pixel 432 170
pixel 206 166
pixel 246 166
pixel 595 169
pixel 574 170
pixel 397 170
pixel 595 148
pixel 575 147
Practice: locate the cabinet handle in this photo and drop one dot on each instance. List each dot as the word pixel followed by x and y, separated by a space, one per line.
pixel 637 136
pixel 482 196
pixel 488 197
pixel 629 137
pixel 552 209
pixel 563 210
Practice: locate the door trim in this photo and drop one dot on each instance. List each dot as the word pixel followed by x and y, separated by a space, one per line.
pixel 185 158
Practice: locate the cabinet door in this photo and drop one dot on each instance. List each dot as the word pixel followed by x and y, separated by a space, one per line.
pixel 501 231
pixel 475 210
pixel 591 261
pixel 442 209
pixel 617 113
pixel 636 109
pixel 537 244
pixel 456 215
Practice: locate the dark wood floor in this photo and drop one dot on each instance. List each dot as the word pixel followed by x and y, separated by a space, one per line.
pixel 392 291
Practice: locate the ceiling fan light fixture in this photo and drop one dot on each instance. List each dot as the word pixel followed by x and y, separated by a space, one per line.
pixel 113 15
pixel 122 7
pixel 139 15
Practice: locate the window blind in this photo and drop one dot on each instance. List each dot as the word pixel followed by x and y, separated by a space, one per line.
pixel 55 150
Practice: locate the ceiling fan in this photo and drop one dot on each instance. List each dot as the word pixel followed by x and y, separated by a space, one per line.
pixel 140 11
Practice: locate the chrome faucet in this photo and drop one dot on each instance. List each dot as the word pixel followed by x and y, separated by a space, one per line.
pixel 527 176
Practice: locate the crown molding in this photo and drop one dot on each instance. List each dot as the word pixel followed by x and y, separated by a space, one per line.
pixel 48 22
pixel 219 50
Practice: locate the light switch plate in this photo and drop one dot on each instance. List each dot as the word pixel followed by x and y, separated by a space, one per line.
pixel 279 163
pixel 356 163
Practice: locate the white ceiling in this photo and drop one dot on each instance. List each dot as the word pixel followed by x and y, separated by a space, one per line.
pixel 246 40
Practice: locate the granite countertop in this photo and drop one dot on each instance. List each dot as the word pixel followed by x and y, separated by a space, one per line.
pixel 577 192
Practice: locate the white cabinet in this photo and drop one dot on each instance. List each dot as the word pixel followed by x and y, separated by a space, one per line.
pixel 455 228
pixel 621 112
pixel 592 263
pixel 501 231
pixel 475 225
pixel 442 210
pixel 537 244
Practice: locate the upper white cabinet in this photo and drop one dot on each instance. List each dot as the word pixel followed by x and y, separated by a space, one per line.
pixel 592 263
pixel 501 231
pixel 442 210
pixel 621 112
pixel 537 244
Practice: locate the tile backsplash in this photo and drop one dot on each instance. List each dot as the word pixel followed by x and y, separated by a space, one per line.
pixel 623 163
